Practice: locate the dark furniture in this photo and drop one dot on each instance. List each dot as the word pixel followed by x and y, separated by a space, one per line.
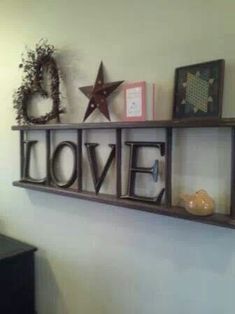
pixel 17 294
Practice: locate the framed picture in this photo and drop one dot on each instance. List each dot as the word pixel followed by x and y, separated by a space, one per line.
pixel 199 90
pixel 135 101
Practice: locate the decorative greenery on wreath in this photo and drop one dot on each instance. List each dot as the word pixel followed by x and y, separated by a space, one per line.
pixel 35 65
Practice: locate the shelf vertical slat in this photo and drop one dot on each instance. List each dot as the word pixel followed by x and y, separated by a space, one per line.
pixel 168 167
pixel 79 159
pixel 118 162
pixel 48 156
pixel 21 154
pixel 232 204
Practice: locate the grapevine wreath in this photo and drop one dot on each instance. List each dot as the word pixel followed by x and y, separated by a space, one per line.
pixel 35 64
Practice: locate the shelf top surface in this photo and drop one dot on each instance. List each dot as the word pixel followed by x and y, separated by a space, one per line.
pixel 199 123
pixel 10 247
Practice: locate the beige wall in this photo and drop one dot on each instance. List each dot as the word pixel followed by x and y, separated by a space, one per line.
pixel 100 259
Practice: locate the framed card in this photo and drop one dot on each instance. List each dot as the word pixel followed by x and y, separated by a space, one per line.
pixel 135 101
pixel 199 90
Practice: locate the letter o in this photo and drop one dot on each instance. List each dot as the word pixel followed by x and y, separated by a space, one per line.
pixel 55 155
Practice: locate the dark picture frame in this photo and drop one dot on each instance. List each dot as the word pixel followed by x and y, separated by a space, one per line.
pixel 198 91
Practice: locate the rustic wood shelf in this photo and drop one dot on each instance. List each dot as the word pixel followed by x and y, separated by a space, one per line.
pixel 166 209
pixel 174 211
pixel 209 123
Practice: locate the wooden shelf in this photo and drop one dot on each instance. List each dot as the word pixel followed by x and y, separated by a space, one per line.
pixel 222 220
pixel 177 212
pixel 208 123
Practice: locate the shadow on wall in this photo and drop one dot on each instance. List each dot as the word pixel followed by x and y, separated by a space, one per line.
pixel 2 227
pixel 50 299
pixel 195 246
pixel 71 74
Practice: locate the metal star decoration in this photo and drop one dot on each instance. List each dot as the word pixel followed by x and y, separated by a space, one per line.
pixel 98 94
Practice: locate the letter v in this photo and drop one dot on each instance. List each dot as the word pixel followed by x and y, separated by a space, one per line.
pixel 97 181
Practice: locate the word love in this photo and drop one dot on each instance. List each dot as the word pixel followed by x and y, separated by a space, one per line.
pixel 98 175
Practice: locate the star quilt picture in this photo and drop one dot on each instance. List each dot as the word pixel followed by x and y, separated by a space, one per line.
pixel 199 90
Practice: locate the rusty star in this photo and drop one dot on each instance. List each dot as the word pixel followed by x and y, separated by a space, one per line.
pixel 98 94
